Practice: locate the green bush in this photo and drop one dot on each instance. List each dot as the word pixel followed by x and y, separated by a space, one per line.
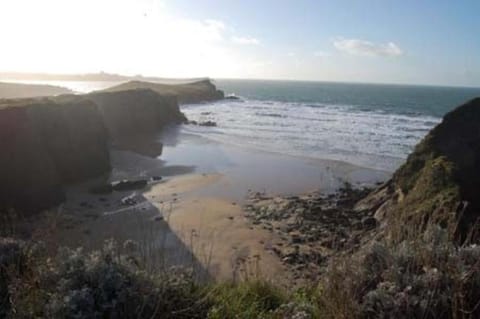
pixel 244 300
pixel 426 277
pixel 102 284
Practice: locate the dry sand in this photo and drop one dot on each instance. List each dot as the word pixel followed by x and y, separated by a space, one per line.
pixel 217 232
pixel 173 224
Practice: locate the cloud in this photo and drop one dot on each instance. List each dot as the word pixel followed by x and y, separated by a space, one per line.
pixel 245 40
pixel 367 48
pixel 155 41
pixel 216 25
pixel 321 54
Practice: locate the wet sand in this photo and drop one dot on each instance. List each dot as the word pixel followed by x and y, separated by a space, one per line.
pixel 194 215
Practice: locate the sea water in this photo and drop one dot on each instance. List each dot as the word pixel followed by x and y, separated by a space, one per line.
pixel 370 125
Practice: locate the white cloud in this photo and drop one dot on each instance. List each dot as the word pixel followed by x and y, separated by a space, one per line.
pixel 155 41
pixel 321 54
pixel 215 25
pixel 367 48
pixel 245 40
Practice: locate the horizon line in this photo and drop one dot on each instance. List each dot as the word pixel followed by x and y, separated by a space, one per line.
pixel 225 78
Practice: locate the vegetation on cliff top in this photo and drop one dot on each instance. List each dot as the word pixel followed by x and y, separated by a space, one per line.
pixel 429 277
pixel 440 180
pixel 192 92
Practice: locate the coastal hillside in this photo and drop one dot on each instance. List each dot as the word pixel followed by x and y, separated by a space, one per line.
pixel 440 181
pixel 17 90
pixel 193 92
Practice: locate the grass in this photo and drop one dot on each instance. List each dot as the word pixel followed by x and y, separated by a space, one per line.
pixel 428 276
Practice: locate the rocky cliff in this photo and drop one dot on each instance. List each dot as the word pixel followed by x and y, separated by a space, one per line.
pixel 46 144
pixel 193 92
pixel 137 112
pixel 440 181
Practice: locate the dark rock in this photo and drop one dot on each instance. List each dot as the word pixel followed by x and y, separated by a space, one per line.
pixel 156 178
pixel 101 189
pixel 126 185
pixel 208 124
pixel 232 97
pixel 296 239
pixel 369 222
pixel 129 200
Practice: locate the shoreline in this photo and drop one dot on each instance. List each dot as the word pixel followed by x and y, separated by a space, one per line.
pixel 254 149
pixel 195 215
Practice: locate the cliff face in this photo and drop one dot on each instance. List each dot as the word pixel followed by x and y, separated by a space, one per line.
pixel 194 92
pixel 136 112
pixel 440 181
pixel 46 144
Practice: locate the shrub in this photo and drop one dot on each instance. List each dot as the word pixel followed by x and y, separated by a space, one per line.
pixel 102 284
pixel 426 277
pixel 244 300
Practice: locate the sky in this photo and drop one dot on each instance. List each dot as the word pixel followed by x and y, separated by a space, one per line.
pixel 381 41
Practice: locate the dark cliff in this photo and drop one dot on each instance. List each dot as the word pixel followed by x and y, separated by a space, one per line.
pixel 136 112
pixel 193 92
pixel 46 144
pixel 440 181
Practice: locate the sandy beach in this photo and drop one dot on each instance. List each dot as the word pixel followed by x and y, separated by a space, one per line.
pixel 194 215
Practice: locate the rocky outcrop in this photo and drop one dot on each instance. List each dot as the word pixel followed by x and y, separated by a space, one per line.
pixel 310 228
pixel 45 144
pixel 136 112
pixel 440 181
pixel 186 93
pixel 18 90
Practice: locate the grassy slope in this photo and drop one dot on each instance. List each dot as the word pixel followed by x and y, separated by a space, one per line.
pixel 17 90
pixel 438 178
pixel 202 90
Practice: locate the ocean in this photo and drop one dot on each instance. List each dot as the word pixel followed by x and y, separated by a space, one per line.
pixel 369 125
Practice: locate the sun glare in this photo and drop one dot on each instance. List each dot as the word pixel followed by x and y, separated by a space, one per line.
pixel 114 36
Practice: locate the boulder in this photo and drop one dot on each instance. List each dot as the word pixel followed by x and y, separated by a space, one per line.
pixel 126 185
pixel 208 124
